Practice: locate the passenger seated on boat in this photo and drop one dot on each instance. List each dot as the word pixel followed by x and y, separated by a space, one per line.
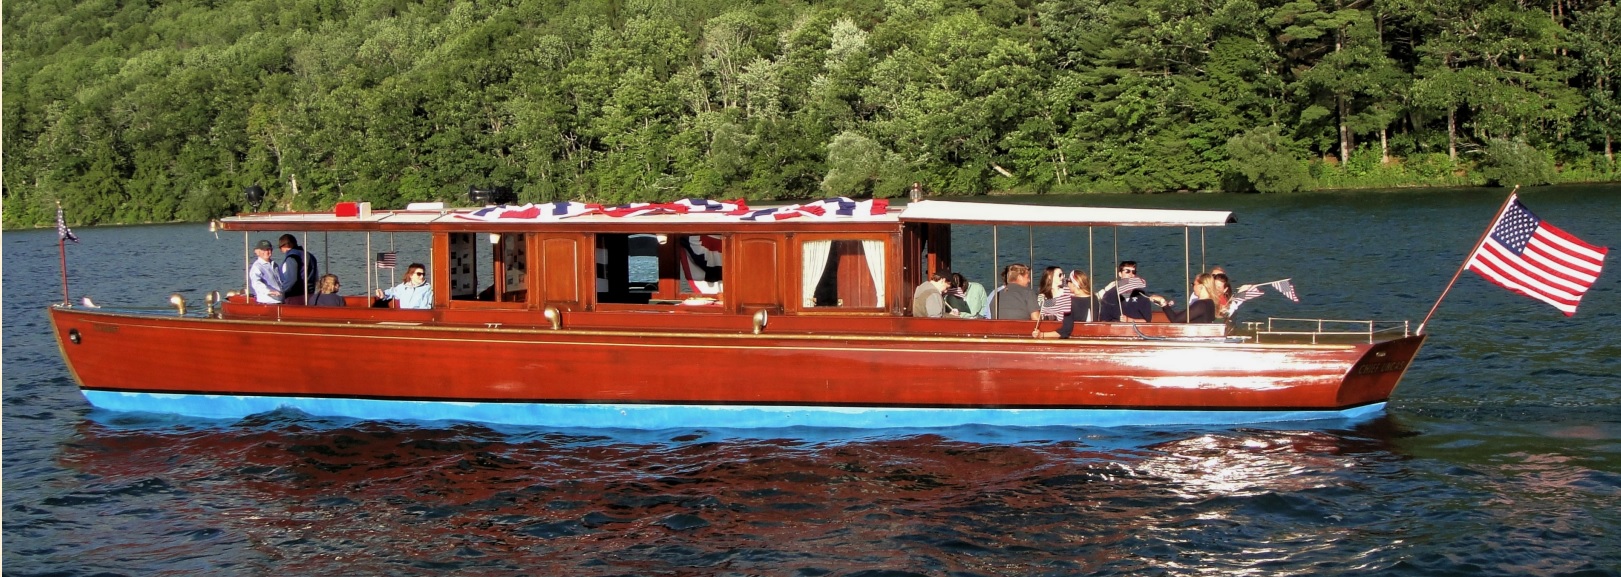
pixel 928 300
pixel 1224 291
pixel 326 292
pixel 1054 294
pixel 1202 310
pixel 1125 298
pixel 415 292
pixel 1016 300
pixel 1083 307
pixel 965 299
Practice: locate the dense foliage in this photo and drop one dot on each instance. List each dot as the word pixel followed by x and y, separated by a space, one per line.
pixel 142 111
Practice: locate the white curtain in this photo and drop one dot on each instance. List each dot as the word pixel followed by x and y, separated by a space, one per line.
pixel 814 255
pixel 875 265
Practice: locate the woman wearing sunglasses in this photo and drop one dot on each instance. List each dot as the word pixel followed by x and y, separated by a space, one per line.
pixel 415 292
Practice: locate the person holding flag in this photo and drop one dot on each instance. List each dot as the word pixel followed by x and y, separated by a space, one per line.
pixel 1125 298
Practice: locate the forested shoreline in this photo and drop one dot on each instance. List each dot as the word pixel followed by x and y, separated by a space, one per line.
pixel 146 111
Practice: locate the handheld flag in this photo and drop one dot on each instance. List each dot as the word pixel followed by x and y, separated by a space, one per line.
pixel 1125 286
pixel 1251 292
pixel 1286 288
pixel 63 233
pixel 1526 255
pixel 387 259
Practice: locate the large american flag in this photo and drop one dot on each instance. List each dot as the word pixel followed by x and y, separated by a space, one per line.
pixel 1531 257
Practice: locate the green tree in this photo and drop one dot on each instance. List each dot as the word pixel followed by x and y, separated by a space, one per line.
pixel 1268 160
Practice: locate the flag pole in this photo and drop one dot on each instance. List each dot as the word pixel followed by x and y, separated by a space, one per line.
pixel 62 251
pixel 62 254
pixel 1465 264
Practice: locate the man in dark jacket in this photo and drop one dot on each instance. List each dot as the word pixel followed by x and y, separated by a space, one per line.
pixel 1126 297
pixel 297 267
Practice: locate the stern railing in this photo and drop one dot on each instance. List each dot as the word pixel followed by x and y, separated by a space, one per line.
pixel 1331 330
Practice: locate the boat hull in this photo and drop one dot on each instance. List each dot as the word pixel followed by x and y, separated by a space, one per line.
pixel 218 368
pixel 667 416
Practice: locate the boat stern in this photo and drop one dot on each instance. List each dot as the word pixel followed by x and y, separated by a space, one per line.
pixel 1375 375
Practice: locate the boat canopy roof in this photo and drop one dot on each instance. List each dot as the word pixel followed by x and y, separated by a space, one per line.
pixel 985 213
pixel 931 211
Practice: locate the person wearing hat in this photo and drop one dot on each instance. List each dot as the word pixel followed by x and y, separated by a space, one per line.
pixel 262 276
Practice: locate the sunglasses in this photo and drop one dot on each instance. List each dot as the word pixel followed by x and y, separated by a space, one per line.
pixel 419 273
pixel 1129 270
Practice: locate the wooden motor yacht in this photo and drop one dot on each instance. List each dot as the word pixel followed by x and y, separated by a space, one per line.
pixel 704 314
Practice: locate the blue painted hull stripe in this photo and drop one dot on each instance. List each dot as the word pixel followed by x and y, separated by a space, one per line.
pixel 638 416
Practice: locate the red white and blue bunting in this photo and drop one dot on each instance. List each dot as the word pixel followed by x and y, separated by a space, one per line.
pixel 825 209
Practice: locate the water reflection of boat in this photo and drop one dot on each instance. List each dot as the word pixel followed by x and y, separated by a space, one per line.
pixel 725 322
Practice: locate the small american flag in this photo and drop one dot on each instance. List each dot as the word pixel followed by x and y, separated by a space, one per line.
pixel 62 230
pixel 1252 292
pixel 1286 288
pixel 387 259
pixel 1125 286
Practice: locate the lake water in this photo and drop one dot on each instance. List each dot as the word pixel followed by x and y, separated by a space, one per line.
pixel 1499 455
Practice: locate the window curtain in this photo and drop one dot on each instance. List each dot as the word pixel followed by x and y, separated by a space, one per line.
pixel 875 265
pixel 815 254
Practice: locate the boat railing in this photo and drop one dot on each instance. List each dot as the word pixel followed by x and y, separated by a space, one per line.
pixel 1327 330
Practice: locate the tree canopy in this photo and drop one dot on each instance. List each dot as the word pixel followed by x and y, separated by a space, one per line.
pixel 145 111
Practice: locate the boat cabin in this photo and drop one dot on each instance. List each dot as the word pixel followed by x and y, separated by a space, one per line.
pixel 833 267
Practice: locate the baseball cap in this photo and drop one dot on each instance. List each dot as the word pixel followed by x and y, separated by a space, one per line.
pixel 263 245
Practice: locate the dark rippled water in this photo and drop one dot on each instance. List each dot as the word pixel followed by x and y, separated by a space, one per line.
pixel 1500 455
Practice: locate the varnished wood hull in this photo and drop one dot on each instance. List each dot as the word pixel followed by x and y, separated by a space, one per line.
pixel 664 378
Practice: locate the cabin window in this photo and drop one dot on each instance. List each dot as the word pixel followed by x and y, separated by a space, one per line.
pixel 842 273
pixel 657 268
pixel 502 278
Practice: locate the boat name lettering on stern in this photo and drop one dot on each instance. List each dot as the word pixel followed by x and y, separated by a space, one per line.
pixel 1387 367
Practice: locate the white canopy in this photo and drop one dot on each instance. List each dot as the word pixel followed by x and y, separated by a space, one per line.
pixel 1044 215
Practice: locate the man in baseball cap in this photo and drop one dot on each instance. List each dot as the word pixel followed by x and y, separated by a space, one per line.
pixel 262 276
